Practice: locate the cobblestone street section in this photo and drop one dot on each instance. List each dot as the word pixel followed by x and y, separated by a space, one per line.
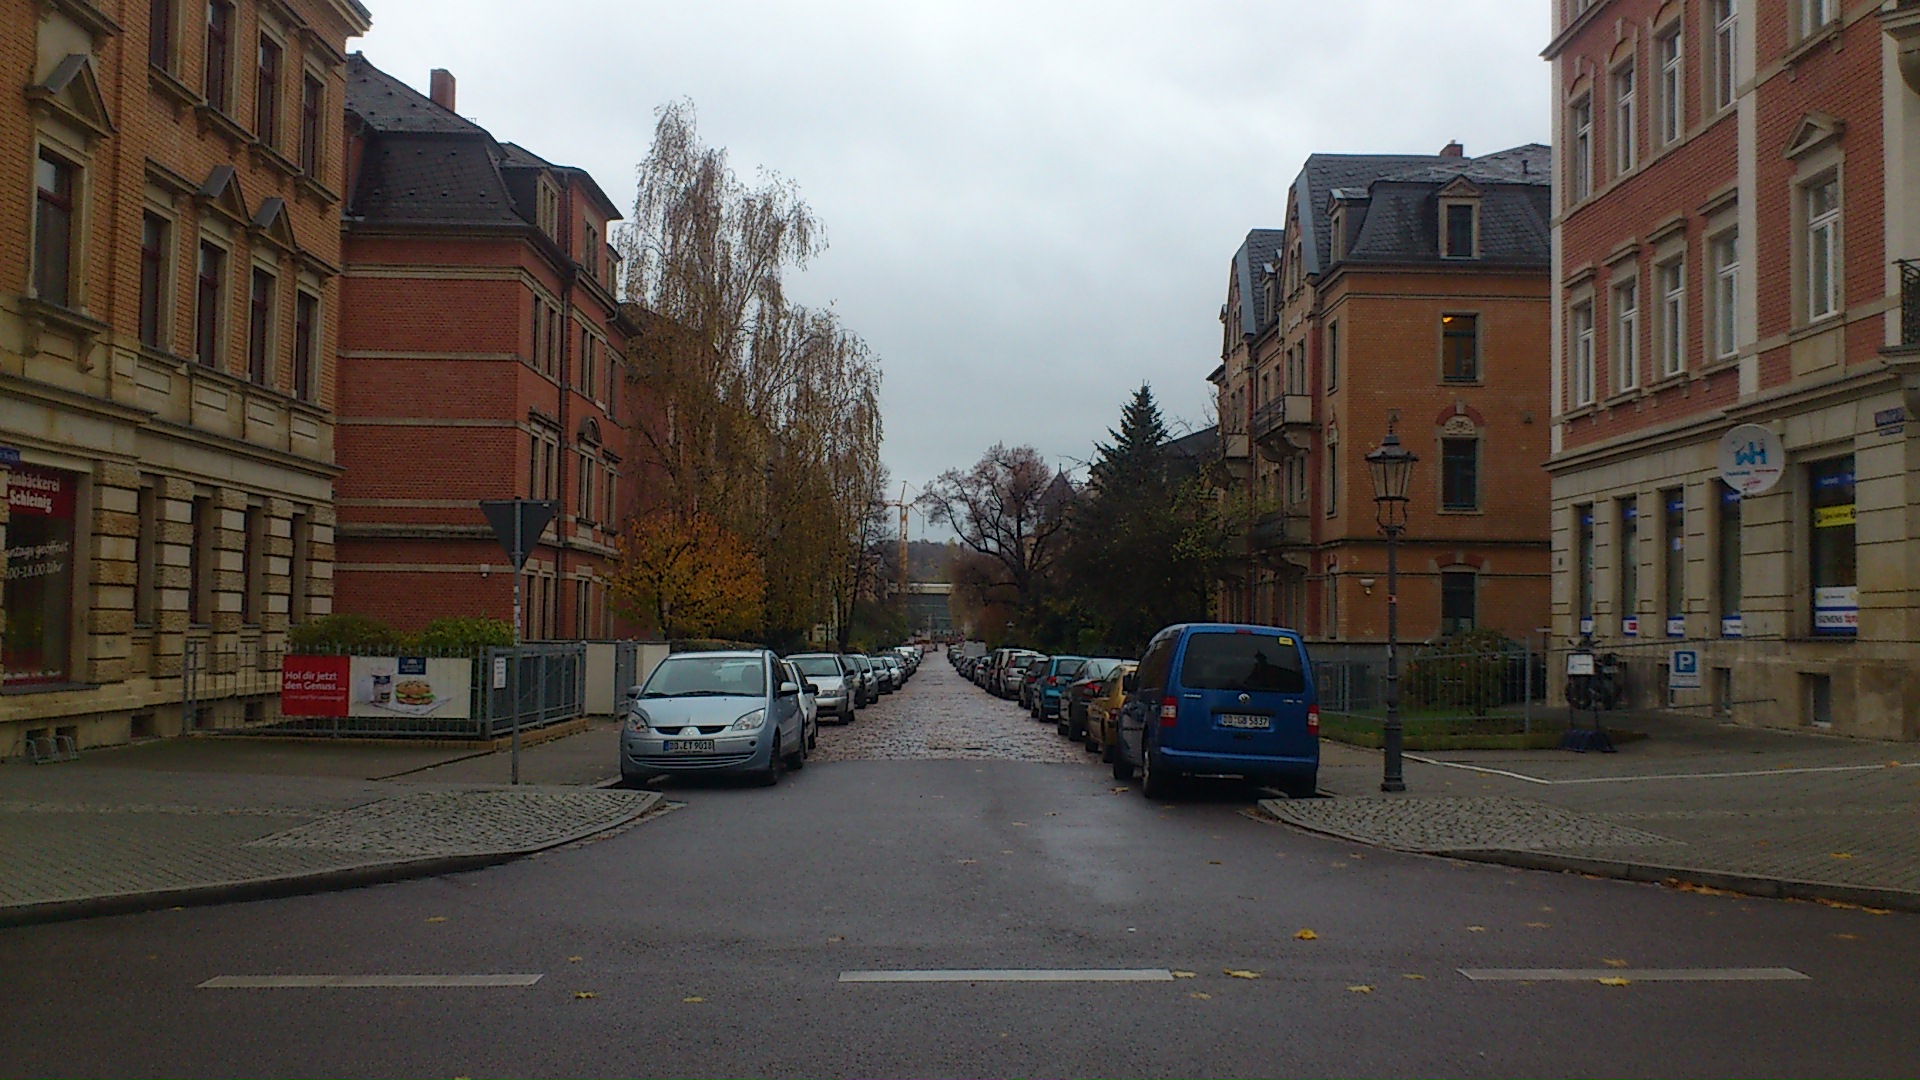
pixel 1484 823
pixel 940 715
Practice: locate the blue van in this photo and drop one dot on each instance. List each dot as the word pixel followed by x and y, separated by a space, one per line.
pixel 1221 699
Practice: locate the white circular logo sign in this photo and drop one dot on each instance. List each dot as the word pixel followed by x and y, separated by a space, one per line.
pixel 1751 459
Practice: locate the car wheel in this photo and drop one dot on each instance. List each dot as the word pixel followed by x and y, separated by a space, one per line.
pixel 1154 783
pixel 1299 789
pixel 776 764
pixel 813 737
pixel 1122 768
pixel 798 759
pixel 1065 729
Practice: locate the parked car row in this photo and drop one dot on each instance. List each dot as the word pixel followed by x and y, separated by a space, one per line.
pixel 1204 699
pixel 747 712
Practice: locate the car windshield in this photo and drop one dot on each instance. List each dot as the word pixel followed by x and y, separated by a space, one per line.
pixel 853 662
pixel 1019 663
pixel 1258 662
pixel 707 676
pixel 816 665
pixel 1068 667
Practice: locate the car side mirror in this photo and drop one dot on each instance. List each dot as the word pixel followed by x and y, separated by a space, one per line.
pixel 813 688
pixel 788 689
pixel 1129 682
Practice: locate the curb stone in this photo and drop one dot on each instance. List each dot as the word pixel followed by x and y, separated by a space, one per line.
pixel 333 879
pixel 1771 888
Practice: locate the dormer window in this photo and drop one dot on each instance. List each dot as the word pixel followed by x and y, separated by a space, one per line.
pixel 1339 235
pixel 1459 230
pixel 547 211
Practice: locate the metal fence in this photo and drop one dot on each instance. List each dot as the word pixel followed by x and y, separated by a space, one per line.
pixel 233 688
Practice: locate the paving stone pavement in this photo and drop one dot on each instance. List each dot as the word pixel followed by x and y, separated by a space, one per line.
pixel 940 715
pixel 1486 822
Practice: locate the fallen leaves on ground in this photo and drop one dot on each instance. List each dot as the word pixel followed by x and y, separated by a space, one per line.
pixel 1242 973
pixel 1414 976
pixel 1847 937
pixel 1695 888
pixel 1476 929
pixel 1120 790
pixel 1019 824
pixel 1612 980
pixel 1840 854
pixel 1186 974
pixel 968 862
pixel 1201 994
pixel 1611 962
pixel 1215 862
pixel 835 938
pixel 582 995
pixel 1841 904
pixel 1304 935
pixel 437 918
pixel 575 959
pixel 1877 910
pixel 1363 989
pixel 1539 925
pixel 693 1001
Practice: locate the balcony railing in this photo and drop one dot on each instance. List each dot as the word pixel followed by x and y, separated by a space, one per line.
pixel 1280 528
pixel 1909 301
pixel 1280 426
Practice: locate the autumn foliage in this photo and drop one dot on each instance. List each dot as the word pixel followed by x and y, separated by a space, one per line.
pixel 690 576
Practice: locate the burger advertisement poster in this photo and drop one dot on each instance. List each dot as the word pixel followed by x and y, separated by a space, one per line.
pixel 376 686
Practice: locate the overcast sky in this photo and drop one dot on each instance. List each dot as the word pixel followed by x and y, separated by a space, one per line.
pixel 1031 207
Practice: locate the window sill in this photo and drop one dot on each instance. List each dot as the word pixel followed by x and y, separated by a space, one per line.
pixel 263 153
pixel 1818 326
pixel 1725 363
pixel 42 315
pixel 326 195
pixel 1630 394
pixel 1461 512
pixel 1797 52
pixel 172 88
pixel 1462 382
pixel 1580 411
pixel 1665 382
pixel 214 118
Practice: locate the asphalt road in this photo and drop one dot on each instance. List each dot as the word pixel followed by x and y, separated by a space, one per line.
pixel 713 940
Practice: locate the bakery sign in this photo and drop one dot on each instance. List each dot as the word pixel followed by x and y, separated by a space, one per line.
pixel 440 687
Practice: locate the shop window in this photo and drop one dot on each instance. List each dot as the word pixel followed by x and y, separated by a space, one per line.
pixel 37 592
pixel 1836 594
pixel 1626 557
pixel 1727 554
pixel 1673 561
pixel 1583 579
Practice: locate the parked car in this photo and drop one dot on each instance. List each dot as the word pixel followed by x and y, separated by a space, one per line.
pixel 1023 686
pixel 1048 682
pixel 1011 672
pixel 714 712
pixel 809 703
pixel 837 685
pixel 869 680
pixel 1070 715
pixel 1099 699
pixel 888 677
pixel 898 667
pixel 1221 699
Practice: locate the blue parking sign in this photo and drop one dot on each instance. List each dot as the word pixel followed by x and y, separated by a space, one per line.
pixel 1683 672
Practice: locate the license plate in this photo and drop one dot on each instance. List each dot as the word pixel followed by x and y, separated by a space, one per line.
pixel 689 746
pixel 1240 720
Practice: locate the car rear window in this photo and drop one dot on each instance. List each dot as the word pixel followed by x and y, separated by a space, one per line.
pixel 1068 667
pixel 1255 662
pixel 817 665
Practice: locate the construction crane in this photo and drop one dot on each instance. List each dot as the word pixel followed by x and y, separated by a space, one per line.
pixel 903 504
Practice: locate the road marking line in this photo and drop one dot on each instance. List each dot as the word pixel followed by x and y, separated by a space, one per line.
pixel 1013 975
pixel 1658 776
pixel 1775 974
pixel 267 982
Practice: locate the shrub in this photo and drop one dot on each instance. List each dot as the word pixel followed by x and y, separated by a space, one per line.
pixel 1468 672
pixel 463 635
pixel 342 633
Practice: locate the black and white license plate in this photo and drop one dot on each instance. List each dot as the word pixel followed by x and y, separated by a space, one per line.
pixel 1242 720
pixel 689 746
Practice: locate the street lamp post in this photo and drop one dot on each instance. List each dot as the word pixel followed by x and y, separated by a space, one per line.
pixel 1391 466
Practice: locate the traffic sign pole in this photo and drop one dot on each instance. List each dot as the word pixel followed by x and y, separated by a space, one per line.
pixel 519 561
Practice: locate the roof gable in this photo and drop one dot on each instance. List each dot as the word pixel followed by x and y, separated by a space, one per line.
pixel 71 92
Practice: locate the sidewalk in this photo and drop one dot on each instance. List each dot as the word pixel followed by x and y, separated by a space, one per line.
pixel 211 820
pixel 1762 812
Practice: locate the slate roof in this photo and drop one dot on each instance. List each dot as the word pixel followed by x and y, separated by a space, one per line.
pixel 1324 172
pixel 386 104
pixel 1261 247
pixel 1400 214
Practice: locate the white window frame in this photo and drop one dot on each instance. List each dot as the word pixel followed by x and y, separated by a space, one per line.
pixel 1816 15
pixel 1625 302
pixel 1724 252
pixel 1670 277
pixel 1581 121
pixel 1823 253
pixel 1725 16
pixel 1580 357
pixel 1670 49
pixel 1626 132
pixel 1472 207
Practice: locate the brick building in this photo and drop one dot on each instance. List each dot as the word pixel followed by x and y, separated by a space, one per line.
pixel 1737 184
pixel 482 357
pixel 169 253
pixel 1409 289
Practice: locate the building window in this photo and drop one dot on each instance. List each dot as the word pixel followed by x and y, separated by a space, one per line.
pixel 306 345
pixel 1582 359
pixel 547 210
pixel 1459 474
pixel 1673 559
pixel 1671 89
pixel 1823 247
pixel 266 96
pixel 1583 579
pixel 585 504
pixel 582 606
pixel 299 568
pixel 1460 348
pixel 219 52
pixel 37 587
pixel 1726 52
pixel 312 98
pixel 1671 278
pixel 208 297
pixel 589 363
pixel 160 34
pixel 1333 355
pixel 200 563
pixel 1727 576
pixel 1626 335
pixel 53 229
pixel 1626 556
pixel 253 560
pixel 1457 592
pixel 146 555
pixel 1461 231
pixel 260 329
pixel 1836 595
pixel 1815 15
pixel 1726 293
pixel 1625 131
pixel 155 234
pixel 1582 125
pixel 1333 478
pixel 590 251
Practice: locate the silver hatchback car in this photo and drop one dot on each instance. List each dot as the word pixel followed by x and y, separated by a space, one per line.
pixel 714 712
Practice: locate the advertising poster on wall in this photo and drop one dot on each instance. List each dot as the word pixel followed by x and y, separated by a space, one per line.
pixel 38 597
pixel 440 687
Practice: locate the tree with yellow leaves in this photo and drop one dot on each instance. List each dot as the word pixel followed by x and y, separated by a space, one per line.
pixel 691 575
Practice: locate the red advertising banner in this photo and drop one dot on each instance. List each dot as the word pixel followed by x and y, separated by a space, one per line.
pixel 314 685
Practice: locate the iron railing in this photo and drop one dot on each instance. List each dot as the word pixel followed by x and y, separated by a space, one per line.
pixel 1909 301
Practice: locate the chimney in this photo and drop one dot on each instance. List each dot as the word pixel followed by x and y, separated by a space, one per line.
pixel 442 88
pixel 1452 149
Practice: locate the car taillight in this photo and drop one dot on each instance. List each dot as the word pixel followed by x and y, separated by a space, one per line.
pixel 1169 712
pixel 1313 719
pixel 1053 680
pixel 1093 690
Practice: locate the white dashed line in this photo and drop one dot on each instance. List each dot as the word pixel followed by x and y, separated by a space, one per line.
pixel 1775 974
pixel 280 982
pixel 1012 975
